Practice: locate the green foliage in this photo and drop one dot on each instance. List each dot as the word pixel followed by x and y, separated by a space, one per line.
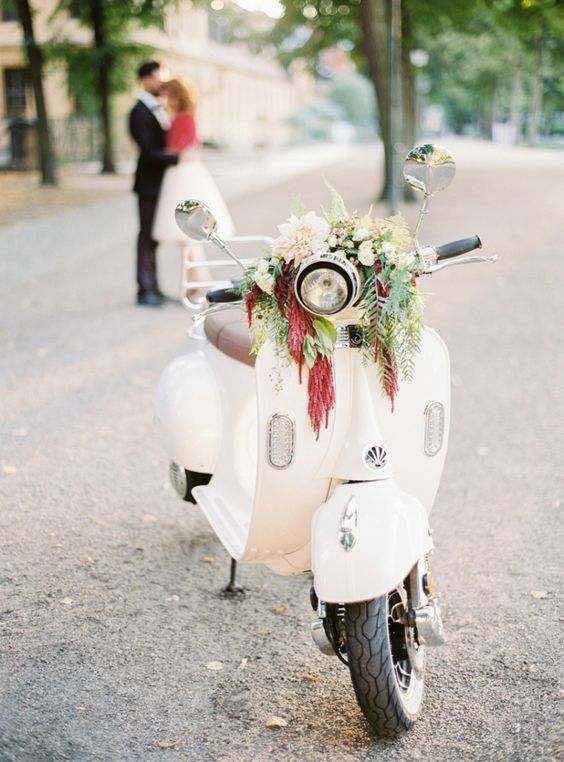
pixel 310 26
pixel 353 94
pixel 472 65
pixel 115 50
pixel 473 49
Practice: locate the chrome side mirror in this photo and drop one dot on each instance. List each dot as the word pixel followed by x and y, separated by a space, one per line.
pixel 429 168
pixel 195 220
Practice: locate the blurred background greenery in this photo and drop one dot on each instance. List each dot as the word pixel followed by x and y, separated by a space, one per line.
pixel 278 71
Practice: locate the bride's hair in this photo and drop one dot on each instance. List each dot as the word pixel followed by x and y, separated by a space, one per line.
pixel 183 92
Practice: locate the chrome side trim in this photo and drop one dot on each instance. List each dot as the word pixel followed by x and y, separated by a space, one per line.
pixel 289 422
pixel 434 416
pixel 320 638
pixel 348 528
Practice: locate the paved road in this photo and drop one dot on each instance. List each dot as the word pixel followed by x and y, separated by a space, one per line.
pixel 109 606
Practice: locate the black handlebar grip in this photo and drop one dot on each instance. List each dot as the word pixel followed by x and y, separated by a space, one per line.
pixel 221 295
pixel 456 248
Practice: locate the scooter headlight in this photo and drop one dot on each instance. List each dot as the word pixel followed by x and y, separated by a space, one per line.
pixel 327 284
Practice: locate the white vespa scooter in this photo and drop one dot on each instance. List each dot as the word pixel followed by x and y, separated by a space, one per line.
pixel 350 505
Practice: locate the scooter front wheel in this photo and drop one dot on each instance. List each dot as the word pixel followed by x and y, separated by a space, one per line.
pixel 386 665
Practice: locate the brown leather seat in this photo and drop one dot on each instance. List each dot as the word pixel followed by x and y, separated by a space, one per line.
pixel 229 332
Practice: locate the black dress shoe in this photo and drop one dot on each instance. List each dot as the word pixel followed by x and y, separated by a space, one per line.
pixel 164 298
pixel 149 299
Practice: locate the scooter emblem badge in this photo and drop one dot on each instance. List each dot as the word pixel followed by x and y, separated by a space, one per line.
pixel 349 525
pixel 375 457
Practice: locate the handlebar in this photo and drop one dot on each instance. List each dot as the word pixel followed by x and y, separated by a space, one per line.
pixel 456 248
pixel 435 258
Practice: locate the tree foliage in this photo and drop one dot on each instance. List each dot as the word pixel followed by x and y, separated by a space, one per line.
pixel 486 57
pixel 107 65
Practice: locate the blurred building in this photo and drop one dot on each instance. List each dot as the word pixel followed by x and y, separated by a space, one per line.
pixel 246 97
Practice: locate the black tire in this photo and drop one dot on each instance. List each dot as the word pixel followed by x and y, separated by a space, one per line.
pixel 194 479
pixel 381 662
pixel 184 481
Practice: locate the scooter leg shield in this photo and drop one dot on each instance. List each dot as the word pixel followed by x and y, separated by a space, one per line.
pixel 188 412
pixel 365 540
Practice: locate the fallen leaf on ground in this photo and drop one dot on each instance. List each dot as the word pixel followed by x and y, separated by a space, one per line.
pixel 9 469
pixel 172 599
pixel 208 560
pixel 214 665
pixel 243 664
pixel 539 594
pixel 276 722
pixel 87 560
pixel 167 744
pixel 532 668
pixel 148 518
pixel 312 678
pixel 66 601
pixel 263 633
pixel 280 610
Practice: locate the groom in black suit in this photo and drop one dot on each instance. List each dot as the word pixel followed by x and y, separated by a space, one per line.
pixel 148 122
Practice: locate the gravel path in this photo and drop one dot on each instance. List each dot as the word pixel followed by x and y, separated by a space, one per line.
pixel 109 605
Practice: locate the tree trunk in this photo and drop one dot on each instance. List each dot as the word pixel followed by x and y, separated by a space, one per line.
pixel 516 96
pixel 536 91
pixel 373 19
pixel 105 63
pixel 409 95
pixel 35 61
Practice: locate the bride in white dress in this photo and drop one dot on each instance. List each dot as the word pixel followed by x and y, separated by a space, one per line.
pixel 188 179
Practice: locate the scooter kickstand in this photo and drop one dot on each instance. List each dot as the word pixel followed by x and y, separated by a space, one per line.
pixel 232 588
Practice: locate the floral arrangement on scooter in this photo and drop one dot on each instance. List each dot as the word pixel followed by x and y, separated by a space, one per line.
pixel 390 321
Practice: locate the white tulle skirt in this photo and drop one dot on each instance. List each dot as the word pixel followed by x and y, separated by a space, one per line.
pixel 188 180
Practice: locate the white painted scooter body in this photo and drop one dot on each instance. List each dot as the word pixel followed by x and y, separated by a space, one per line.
pixel 213 414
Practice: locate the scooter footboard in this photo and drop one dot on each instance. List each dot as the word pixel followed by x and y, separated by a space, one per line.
pixel 365 539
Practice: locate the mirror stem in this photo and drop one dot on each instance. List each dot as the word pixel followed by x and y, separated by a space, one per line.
pixel 422 212
pixel 223 246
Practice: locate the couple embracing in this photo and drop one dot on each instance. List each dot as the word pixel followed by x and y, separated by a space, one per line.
pixel 168 171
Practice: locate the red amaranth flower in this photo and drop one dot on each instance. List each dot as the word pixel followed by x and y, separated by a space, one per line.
pixel 250 301
pixel 300 325
pixel 320 392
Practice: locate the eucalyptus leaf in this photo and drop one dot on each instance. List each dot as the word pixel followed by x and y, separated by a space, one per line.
pixel 310 351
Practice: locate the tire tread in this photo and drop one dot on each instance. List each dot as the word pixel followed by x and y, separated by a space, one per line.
pixel 372 669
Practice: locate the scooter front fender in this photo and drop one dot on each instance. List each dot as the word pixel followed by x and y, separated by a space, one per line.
pixel 365 540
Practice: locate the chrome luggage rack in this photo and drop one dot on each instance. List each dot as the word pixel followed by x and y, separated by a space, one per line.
pixel 192 292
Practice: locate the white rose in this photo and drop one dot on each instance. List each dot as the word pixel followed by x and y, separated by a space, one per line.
pixel 332 241
pixel 348 244
pixel 264 281
pixel 365 254
pixel 262 266
pixel 407 259
pixel 389 251
pixel 360 234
